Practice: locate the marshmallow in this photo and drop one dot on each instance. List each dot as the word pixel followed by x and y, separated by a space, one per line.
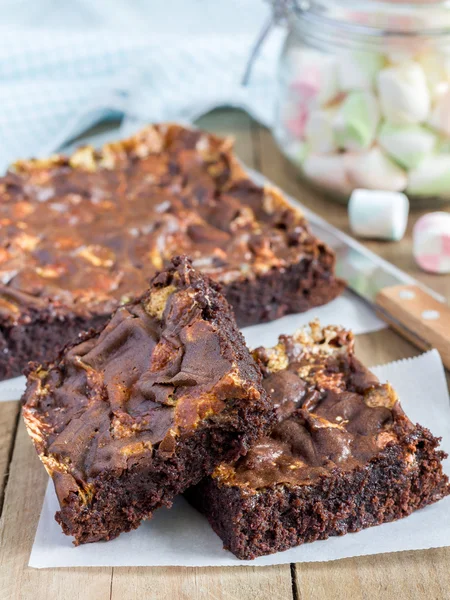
pixel 296 122
pixel 404 95
pixel 370 119
pixel 296 151
pixel 398 52
pixel 436 66
pixel 358 70
pixel 378 214
pixel 356 121
pixel 315 76
pixel 431 242
pixel 443 146
pixel 374 170
pixel 319 131
pixel 431 178
pixel 407 144
pixel 440 117
pixel 328 171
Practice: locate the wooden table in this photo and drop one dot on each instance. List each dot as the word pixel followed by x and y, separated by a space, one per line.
pixel 400 576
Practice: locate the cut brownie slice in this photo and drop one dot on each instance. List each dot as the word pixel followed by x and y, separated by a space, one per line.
pixel 137 412
pixel 83 234
pixel 342 457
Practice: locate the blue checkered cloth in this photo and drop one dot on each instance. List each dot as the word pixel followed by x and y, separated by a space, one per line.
pixel 66 68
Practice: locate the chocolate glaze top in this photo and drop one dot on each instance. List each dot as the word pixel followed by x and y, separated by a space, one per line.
pixel 157 370
pixel 87 232
pixel 332 412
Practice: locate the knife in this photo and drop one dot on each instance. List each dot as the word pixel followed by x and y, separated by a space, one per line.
pixel 415 311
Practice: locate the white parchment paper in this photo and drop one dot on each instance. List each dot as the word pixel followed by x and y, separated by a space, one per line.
pixel 181 536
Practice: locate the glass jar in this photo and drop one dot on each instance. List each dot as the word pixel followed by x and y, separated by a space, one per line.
pixel 364 96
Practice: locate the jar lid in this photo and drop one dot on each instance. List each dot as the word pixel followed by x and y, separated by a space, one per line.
pixel 413 17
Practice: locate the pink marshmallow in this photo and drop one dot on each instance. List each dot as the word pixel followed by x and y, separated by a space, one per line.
pixel 296 125
pixel 308 87
pixel 431 242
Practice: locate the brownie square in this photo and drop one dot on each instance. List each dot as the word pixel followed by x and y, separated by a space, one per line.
pixel 82 235
pixel 135 413
pixel 343 456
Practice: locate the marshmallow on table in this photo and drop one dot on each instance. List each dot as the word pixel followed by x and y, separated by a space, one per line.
pixel 407 144
pixel 358 70
pixel 319 131
pixel 314 75
pixel 356 121
pixel 404 94
pixel 431 242
pixel 378 214
pixel 328 171
pixel 440 116
pixel 374 170
pixel 431 177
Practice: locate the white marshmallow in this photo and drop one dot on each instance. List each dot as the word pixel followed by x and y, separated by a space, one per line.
pixel 319 131
pixel 440 117
pixel 398 54
pixel 377 214
pixel 404 95
pixel 376 171
pixel 436 66
pixel 358 70
pixel 407 144
pixel 314 75
pixel 431 178
pixel 356 121
pixel 328 171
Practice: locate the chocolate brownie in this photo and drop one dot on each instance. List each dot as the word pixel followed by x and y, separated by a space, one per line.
pixel 343 456
pixel 135 413
pixel 81 235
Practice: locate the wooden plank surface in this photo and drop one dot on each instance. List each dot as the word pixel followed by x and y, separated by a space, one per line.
pixel 23 500
pixel 399 576
pixel 9 413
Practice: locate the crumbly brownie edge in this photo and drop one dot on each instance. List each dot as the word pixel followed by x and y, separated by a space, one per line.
pixel 279 518
pixel 277 293
pixel 121 503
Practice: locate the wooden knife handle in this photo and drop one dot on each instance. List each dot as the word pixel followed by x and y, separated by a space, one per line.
pixel 419 317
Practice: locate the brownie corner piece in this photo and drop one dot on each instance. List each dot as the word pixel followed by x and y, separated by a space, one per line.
pixel 292 272
pixel 135 413
pixel 342 457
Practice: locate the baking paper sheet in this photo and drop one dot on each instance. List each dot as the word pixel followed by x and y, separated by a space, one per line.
pixel 181 536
